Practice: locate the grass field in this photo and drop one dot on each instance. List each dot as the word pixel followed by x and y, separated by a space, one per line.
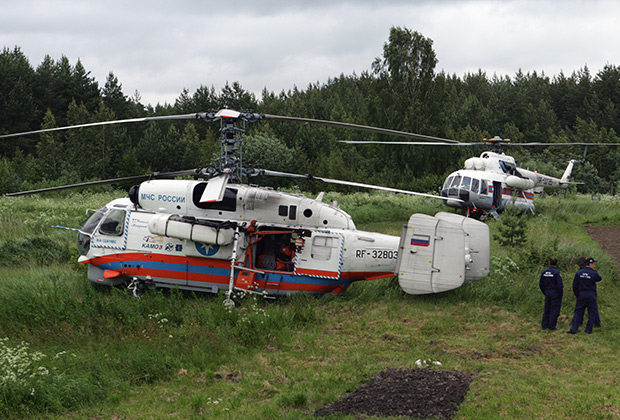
pixel 69 350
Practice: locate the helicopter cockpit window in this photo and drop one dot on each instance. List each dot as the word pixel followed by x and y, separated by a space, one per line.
pixel 466 182
pixel 456 182
pixel 446 184
pixel 113 223
pixel 93 220
pixel 475 184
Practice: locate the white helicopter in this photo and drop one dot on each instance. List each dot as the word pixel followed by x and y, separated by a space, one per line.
pixel 216 235
pixel 492 182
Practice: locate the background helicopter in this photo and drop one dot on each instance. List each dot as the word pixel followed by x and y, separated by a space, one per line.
pixel 492 182
pixel 224 235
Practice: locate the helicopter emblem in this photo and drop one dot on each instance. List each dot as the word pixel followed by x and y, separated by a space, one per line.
pixel 207 250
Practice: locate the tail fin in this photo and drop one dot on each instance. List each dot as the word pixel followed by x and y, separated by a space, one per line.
pixel 569 169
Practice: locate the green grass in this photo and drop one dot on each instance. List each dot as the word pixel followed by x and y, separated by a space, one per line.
pixel 88 352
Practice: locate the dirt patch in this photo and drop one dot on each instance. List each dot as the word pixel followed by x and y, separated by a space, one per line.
pixel 609 239
pixel 419 393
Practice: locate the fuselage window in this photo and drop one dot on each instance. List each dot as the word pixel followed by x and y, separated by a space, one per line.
pixel 228 203
pixel 292 212
pixel 483 186
pixel 113 223
pixel 475 184
pixel 283 211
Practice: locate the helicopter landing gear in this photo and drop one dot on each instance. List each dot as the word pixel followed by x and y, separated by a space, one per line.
pixel 137 286
pixel 230 303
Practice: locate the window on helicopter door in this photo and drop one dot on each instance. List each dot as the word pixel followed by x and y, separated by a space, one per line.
pixel 483 186
pixel 113 223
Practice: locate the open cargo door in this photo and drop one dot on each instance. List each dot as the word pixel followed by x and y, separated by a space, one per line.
pixel 431 255
pixel 477 245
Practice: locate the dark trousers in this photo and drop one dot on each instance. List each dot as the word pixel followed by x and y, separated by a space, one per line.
pixel 590 302
pixel 553 304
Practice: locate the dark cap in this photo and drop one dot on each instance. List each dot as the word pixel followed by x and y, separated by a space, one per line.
pixel 590 261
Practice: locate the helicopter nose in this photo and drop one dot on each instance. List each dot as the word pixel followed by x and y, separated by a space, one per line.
pixel 464 195
pixel 459 193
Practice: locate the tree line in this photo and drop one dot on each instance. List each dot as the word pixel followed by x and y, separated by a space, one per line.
pixel 402 91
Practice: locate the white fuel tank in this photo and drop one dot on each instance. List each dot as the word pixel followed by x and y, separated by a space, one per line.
pixel 179 227
pixel 519 183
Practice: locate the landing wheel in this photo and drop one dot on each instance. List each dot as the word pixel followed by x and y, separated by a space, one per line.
pixel 230 303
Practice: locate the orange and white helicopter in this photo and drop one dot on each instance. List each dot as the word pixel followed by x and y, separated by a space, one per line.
pixel 221 235
pixel 492 182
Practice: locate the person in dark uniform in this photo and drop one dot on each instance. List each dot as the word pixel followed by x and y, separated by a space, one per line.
pixel 581 262
pixel 584 287
pixel 551 285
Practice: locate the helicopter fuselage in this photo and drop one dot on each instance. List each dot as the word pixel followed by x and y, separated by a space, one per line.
pixel 255 239
pixel 493 182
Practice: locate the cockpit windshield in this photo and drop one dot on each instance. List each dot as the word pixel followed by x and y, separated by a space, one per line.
pixel 466 182
pixel 93 220
pixel 83 239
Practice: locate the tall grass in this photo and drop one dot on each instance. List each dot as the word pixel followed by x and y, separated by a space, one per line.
pixel 86 351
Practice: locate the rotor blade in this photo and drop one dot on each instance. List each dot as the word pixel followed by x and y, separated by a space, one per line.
pixel 202 115
pixel 408 143
pixel 106 181
pixel 356 127
pixel 352 184
pixel 561 144
pixel 215 189
pixel 415 143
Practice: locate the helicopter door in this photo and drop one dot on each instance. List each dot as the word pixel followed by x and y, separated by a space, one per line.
pixel 428 255
pixel 112 232
pixel 497 194
pixel 321 256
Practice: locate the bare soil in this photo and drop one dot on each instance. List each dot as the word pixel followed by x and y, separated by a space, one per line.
pixel 609 239
pixel 416 393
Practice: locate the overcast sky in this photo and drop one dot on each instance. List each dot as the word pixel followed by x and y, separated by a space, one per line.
pixel 158 47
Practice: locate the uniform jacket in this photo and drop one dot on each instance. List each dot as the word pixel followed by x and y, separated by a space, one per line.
pixel 585 281
pixel 550 282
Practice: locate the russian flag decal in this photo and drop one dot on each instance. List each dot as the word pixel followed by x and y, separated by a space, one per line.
pixel 420 240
